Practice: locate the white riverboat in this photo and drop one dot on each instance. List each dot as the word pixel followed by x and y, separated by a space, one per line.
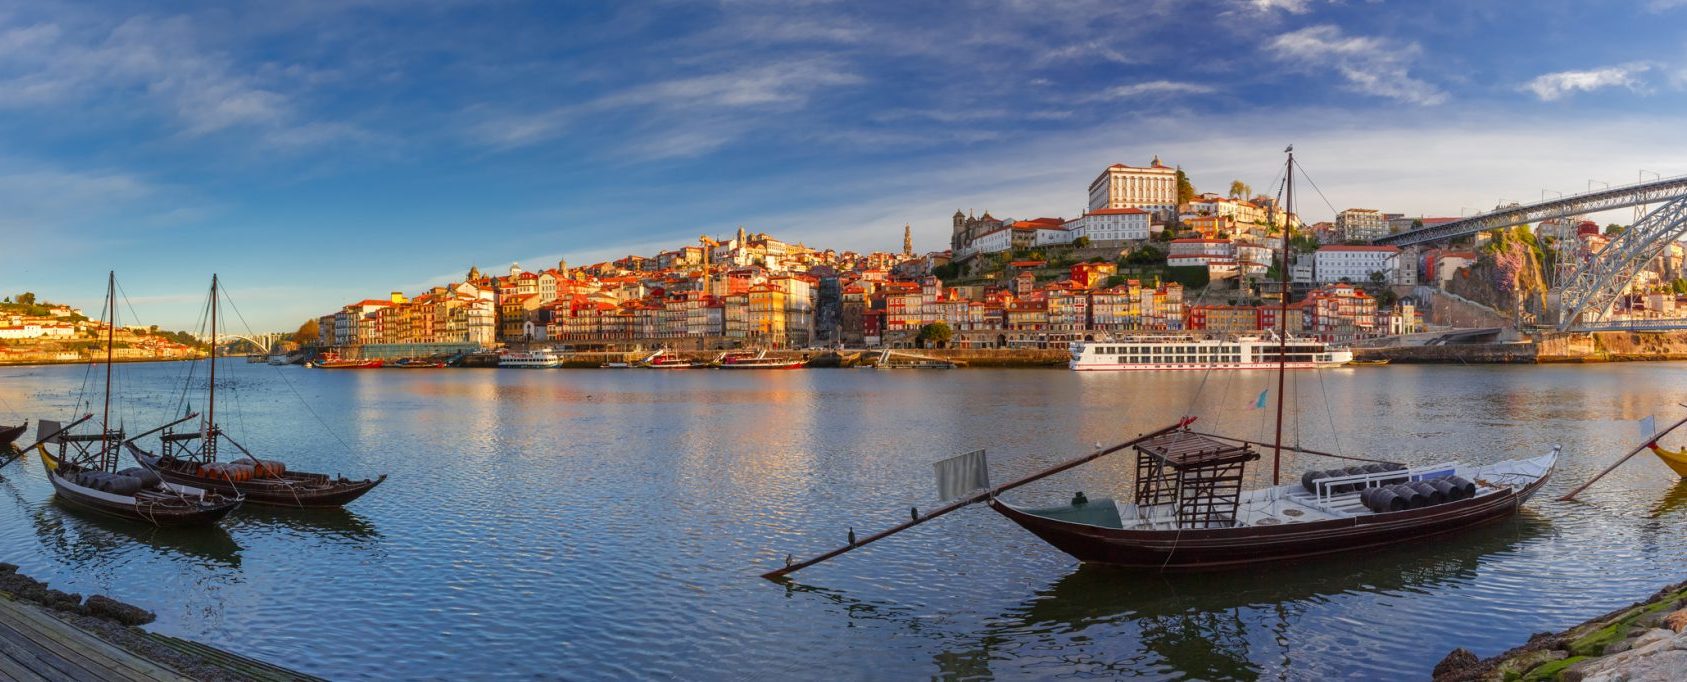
pixel 543 358
pixel 1189 352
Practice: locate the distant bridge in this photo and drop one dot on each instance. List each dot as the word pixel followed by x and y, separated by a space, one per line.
pixel 264 342
pixel 1583 300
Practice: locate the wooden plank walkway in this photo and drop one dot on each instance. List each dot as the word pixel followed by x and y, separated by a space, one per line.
pixel 37 646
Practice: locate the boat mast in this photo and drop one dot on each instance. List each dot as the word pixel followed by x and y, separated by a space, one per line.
pixel 110 340
pixel 211 408
pixel 1283 319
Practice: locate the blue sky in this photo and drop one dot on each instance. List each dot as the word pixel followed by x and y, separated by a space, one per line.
pixel 315 153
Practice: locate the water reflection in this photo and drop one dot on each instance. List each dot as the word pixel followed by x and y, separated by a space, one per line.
pixel 77 537
pixel 1673 500
pixel 1214 625
pixel 335 524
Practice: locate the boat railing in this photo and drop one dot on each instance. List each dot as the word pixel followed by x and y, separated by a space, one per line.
pixel 1327 490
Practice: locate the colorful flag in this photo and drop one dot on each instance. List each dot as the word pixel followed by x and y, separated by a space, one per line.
pixel 1259 403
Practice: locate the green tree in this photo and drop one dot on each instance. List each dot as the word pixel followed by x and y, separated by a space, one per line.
pixel 1081 242
pixel 1611 230
pixel 1185 188
pixel 1679 286
pixel 1240 190
pixel 937 333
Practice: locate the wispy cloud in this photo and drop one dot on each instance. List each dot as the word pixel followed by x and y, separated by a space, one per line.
pixel 1270 6
pixel 1554 86
pixel 1369 65
pixel 688 115
pixel 1149 88
pixel 158 62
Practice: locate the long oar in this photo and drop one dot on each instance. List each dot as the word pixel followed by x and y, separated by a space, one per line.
pixel 52 435
pixel 1654 439
pixel 975 498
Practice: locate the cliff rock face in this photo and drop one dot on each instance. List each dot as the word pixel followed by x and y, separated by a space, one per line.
pixel 1507 277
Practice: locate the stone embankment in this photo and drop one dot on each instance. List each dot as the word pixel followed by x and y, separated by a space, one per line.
pixel 1644 641
pixel 1544 348
pixel 982 357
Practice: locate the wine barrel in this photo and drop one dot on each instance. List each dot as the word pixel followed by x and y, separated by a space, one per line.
pixel 1433 496
pixel 1411 496
pixel 1467 489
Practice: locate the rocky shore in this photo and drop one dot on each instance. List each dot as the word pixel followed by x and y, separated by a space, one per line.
pixel 1641 642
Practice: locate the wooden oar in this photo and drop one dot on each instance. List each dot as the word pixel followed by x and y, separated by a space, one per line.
pixel 1572 494
pixel 975 498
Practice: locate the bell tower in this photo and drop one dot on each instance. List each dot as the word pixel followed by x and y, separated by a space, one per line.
pixel 907 240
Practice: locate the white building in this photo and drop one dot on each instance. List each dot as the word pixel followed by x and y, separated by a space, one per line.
pixel 1111 226
pixel 1356 263
pixel 1049 236
pixel 1153 189
pixel 996 241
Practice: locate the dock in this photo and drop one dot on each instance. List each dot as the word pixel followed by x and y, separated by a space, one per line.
pixel 36 645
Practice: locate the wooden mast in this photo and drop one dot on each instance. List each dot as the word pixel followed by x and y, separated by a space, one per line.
pixel 1283 320
pixel 211 409
pixel 110 340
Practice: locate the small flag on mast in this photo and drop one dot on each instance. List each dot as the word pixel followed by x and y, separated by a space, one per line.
pixel 1648 427
pixel 961 474
pixel 1259 403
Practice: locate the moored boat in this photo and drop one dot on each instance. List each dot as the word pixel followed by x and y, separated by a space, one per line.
pixel 8 434
pixel 190 458
pixel 84 471
pixel 663 360
pixel 334 361
pixel 1676 460
pixel 1186 352
pixel 757 360
pixel 418 363
pixel 542 358
pixel 278 359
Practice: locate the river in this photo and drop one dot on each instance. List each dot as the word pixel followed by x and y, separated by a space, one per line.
pixel 604 524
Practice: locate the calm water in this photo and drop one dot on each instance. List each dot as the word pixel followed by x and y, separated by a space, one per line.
pixel 611 524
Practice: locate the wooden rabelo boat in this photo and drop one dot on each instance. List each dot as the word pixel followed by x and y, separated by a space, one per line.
pixel 10 434
pixel 191 458
pixel 84 471
pixel 1188 509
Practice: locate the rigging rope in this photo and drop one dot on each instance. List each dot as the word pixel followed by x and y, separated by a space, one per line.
pixel 294 390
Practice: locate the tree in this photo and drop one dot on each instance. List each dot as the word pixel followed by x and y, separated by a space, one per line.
pixel 1611 230
pixel 1240 190
pixel 1185 188
pixel 1081 242
pixel 937 333
pixel 26 298
pixel 1679 286
pixel 307 333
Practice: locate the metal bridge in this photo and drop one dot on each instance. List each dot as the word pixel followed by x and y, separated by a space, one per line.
pixel 1584 295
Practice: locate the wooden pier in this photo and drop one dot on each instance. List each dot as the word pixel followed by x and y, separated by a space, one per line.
pixel 36 645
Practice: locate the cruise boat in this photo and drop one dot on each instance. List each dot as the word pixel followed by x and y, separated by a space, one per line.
pixel 543 358
pixel 1189 352
pixel 745 360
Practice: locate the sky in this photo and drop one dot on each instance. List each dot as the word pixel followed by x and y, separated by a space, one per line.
pixel 317 152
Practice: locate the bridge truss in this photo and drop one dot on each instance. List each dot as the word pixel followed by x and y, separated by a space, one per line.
pixel 1587 288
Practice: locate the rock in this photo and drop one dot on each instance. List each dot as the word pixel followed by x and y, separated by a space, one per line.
pixel 106 607
pixel 1676 621
pixel 62 601
pixel 1657 655
pixel 1456 661
pixel 8 568
pixel 1524 663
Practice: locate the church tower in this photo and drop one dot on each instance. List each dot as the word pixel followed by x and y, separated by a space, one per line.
pixel 907 240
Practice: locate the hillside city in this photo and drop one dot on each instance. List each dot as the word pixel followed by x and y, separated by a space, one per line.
pixel 1149 254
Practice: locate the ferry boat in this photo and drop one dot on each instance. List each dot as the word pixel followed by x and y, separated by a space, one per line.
pixel 1189 352
pixel 543 358
pixel 745 360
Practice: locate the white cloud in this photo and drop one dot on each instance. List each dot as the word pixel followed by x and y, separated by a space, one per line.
pixel 1553 86
pixel 1159 87
pixel 1369 65
pixel 157 62
pixel 1269 6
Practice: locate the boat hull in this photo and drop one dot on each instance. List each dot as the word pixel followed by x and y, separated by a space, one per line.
pixel 1675 460
pixel 168 514
pixel 302 490
pixel 350 364
pixel 10 434
pixel 1230 548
